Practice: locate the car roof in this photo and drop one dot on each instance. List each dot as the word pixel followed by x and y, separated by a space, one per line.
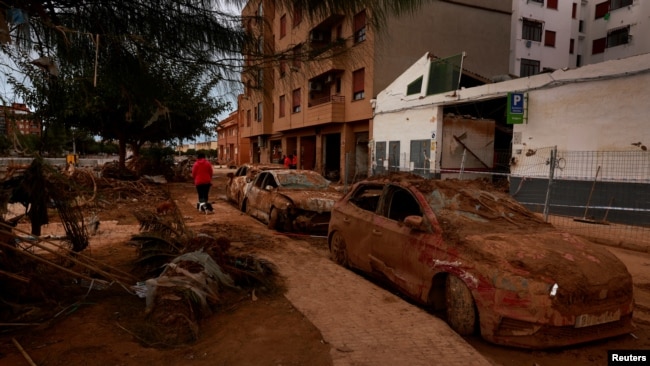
pixel 467 206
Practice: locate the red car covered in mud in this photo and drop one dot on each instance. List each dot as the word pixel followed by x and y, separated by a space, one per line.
pixel 291 200
pixel 244 174
pixel 483 260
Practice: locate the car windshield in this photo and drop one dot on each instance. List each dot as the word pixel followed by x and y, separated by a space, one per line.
pixel 295 180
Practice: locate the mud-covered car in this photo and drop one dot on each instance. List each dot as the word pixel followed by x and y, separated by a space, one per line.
pixel 485 262
pixel 244 174
pixel 291 200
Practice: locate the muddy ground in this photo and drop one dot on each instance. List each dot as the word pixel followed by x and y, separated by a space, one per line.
pixel 262 328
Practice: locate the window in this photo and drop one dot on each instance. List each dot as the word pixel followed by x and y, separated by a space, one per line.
pixel 415 87
pixel 617 4
pixel 574 10
pixel 283 26
pixel 602 9
pixel 297 14
pixel 532 30
pixel 537 1
pixel 551 4
pixel 367 197
pixel 618 37
pixel 283 68
pixel 248 118
pixel 260 78
pixel 282 105
pixel 571 45
pixel 400 204
pixel 296 56
pixel 528 67
pixel 358 81
pixel 296 101
pixel 598 46
pixel 259 112
pixel 549 38
pixel 360 27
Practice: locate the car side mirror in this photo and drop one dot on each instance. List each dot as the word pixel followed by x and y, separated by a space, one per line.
pixel 415 222
pixel 248 179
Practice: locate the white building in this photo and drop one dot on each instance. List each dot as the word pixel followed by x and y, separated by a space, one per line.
pixel 553 34
pixel 595 116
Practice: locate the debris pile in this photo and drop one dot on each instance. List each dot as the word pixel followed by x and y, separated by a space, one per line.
pixel 183 275
pixel 201 275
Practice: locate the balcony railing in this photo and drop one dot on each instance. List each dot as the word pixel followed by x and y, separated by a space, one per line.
pixel 325 110
pixel 327 99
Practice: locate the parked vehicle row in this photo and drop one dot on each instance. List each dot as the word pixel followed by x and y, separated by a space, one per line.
pixel 462 249
pixel 284 199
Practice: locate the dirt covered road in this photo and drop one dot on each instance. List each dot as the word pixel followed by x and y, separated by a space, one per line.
pixel 250 328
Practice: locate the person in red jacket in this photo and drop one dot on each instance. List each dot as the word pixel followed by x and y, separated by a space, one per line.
pixel 202 174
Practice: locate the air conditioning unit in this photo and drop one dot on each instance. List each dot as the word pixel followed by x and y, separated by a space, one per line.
pixel 315 86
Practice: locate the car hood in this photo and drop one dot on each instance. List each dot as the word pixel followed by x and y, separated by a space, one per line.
pixel 312 200
pixel 552 257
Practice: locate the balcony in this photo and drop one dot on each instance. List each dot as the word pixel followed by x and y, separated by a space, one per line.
pixel 327 109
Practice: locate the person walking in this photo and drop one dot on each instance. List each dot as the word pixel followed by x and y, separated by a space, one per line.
pixel 202 173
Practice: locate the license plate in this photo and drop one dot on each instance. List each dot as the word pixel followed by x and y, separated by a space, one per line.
pixel 587 320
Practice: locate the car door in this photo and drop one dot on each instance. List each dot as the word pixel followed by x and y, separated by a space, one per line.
pixel 234 185
pixel 254 194
pixel 353 220
pixel 398 250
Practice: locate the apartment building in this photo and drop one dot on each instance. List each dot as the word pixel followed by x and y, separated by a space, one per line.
pixel 309 84
pixel 17 119
pixel 231 148
pixel 549 35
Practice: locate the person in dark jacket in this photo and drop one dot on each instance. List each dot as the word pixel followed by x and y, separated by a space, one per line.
pixel 202 173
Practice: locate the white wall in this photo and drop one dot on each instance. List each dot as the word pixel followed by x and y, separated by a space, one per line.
pixel 599 107
pixel 558 20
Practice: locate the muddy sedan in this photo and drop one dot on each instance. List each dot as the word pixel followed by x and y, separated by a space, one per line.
pixel 483 260
pixel 244 174
pixel 291 200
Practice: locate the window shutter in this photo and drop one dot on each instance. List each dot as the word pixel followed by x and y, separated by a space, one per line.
pixel 359 20
pixel 296 98
pixel 358 78
pixel 282 106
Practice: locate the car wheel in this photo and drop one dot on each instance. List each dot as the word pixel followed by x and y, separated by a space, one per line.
pixel 244 207
pixel 461 310
pixel 274 217
pixel 240 203
pixel 338 249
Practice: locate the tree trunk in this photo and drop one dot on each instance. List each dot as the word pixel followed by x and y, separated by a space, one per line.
pixel 122 152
